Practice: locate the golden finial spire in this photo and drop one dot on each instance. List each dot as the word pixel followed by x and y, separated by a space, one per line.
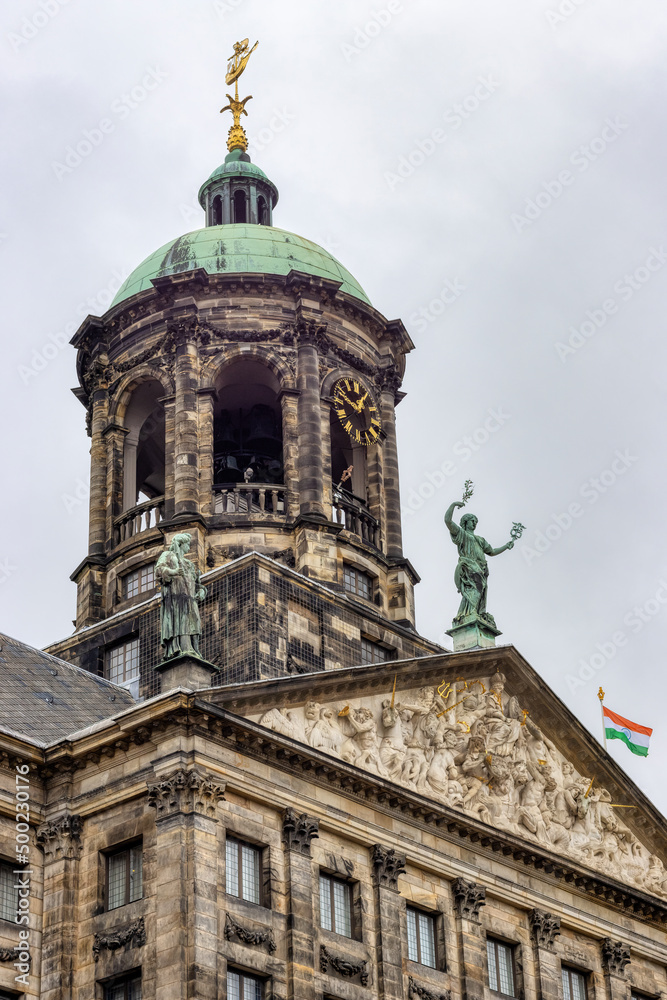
pixel 237 139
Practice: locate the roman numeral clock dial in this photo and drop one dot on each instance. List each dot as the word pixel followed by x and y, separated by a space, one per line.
pixel 356 410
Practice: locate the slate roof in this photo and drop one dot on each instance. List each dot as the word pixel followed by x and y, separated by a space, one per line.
pixel 45 699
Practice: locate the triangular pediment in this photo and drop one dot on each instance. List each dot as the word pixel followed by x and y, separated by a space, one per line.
pixel 480 733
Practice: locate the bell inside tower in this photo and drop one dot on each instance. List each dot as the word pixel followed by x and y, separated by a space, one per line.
pixel 247 428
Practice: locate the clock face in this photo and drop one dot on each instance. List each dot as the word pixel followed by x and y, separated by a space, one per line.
pixel 356 410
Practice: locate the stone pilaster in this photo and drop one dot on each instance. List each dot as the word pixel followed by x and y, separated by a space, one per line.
pixel 388 864
pixel 393 531
pixel 309 457
pixel 60 840
pixel 615 957
pixel 468 898
pixel 97 506
pixel 186 445
pixel 187 932
pixel 298 832
pixel 545 927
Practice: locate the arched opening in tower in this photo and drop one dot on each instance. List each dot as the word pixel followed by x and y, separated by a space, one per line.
pixel 247 429
pixel 217 211
pixel 144 451
pixel 240 213
pixel 348 463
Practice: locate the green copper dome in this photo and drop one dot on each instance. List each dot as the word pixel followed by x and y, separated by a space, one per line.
pixel 239 249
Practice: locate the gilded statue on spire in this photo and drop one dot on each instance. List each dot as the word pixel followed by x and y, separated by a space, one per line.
pixel 237 139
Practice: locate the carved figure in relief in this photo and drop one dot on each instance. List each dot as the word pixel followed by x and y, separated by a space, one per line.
pixel 280 720
pixel 321 729
pixel 362 747
pixel 393 751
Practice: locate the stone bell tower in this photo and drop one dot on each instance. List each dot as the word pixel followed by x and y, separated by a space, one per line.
pixel 242 388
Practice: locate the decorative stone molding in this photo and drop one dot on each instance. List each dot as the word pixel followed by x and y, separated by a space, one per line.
pixel 348 970
pixel 468 898
pixel 185 792
pixel 545 926
pixel 60 838
pixel 415 990
pixel 255 938
pixel 133 935
pixel 388 864
pixel 615 956
pixel 298 831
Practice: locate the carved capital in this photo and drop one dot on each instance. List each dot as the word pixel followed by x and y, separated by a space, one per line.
pixel 131 936
pixel 615 956
pixel 388 380
pixel 298 831
pixel 545 926
pixel 388 864
pixel 60 838
pixel 344 968
pixel 309 331
pixel 468 898
pixel 416 990
pixel 234 929
pixel 185 792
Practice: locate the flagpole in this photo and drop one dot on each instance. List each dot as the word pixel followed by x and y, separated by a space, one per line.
pixel 604 731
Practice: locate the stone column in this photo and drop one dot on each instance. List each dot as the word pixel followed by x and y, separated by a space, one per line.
pixel 186 908
pixel 186 448
pixel 388 864
pixel 392 497
pixel 298 831
pixel 309 458
pixel 169 403
pixel 206 399
pixel 289 401
pixel 115 436
pixel 61 843
pixel 468 898
pixel 97 518
pixel 615 957
pixel 545 927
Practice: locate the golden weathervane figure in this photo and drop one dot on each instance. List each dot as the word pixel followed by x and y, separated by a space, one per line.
pixel 237 139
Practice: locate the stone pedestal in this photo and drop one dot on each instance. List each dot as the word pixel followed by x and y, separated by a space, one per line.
pixel 186 670
pixel 473 633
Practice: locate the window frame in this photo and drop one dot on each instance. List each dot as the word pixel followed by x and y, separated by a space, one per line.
pixel 4 863
pixel 350 895
pixel 433 919
pixel 126 848
pixel 243 975
pixel 259 851
pixel 511 947
pixel 387 650
pixel 350 568
pixel 573 970
pixel 108 651
pixel 125 980
pixel 137 571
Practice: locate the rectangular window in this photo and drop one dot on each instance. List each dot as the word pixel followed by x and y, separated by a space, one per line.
pixel 9 896
pixel 124 989
pixel 421 937
pixel 242 870
pixel 373 652
pixel 124 877
pixel 123 662
pixel 241 986
pixel 501 967
pixel 357 583
pixel 139 581
pixel 574 984
pixel 335 905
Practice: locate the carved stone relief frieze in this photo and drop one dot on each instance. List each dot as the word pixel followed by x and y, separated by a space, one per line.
pixel 472 746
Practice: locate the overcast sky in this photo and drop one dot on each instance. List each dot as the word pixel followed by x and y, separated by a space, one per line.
pixel 492 174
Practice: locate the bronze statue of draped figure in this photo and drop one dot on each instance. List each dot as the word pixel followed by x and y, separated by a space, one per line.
pixel 472 570
pixel 182 591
